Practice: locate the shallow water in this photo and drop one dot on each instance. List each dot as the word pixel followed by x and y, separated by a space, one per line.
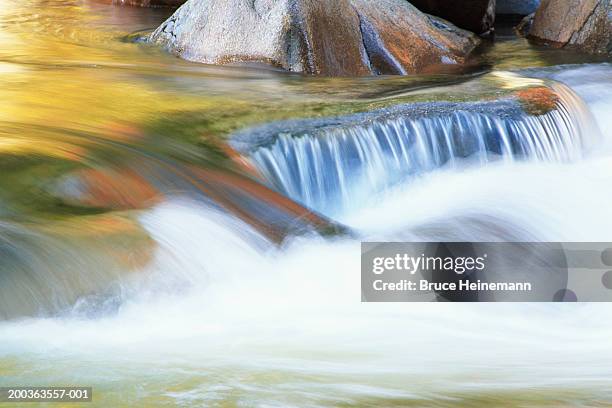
pixel 153 293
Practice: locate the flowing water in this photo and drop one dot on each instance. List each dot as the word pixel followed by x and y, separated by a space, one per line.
pixel 156 242
pixel 329 166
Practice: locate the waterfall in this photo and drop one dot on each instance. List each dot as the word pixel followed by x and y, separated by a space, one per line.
pixel 331 165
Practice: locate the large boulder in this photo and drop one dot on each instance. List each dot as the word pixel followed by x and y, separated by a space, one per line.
pixel 322 37
pixel 521 7
pixel 582 24
pixel 474 15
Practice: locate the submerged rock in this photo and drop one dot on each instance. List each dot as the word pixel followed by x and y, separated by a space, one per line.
pixel 118 189
pixel 232 191
pixel 582 24
pixel 474 15
pixel 538 100
pixel 324 37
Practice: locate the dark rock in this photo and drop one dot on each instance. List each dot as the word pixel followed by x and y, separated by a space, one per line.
pixel 322 37
pixel 522 29
pixel 585 25
pixel 474 15
pixel 520 7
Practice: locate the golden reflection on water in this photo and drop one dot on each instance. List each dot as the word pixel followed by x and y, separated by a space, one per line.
pixel 58 76
pixel 66 64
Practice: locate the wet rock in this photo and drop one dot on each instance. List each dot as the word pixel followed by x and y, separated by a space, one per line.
pixel 474 15
pixel 328 163
pixel 398 39
pixel 299 36
pixel 235 192
pixel 521 7
pixel 324 37
pixel 273 215
pixel 118 189
pixel 581 24
pixel 538 100
pixel 522 29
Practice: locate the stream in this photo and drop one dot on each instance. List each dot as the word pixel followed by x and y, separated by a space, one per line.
pixel 177 234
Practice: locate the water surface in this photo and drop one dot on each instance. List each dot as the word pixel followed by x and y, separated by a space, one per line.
pixel 129 264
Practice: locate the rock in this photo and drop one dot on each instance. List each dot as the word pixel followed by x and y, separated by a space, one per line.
pixel 522 28
pixel 474 15
pixel 398 39
pixel 265 210
pixel 149 3
pixel 521 7
pixel 321 37
pixel 538 100
pixel 581 24
pixel 299 36
pixel 118 189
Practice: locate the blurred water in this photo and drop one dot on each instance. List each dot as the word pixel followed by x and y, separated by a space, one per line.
pixel 336 166
pixel 138 255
